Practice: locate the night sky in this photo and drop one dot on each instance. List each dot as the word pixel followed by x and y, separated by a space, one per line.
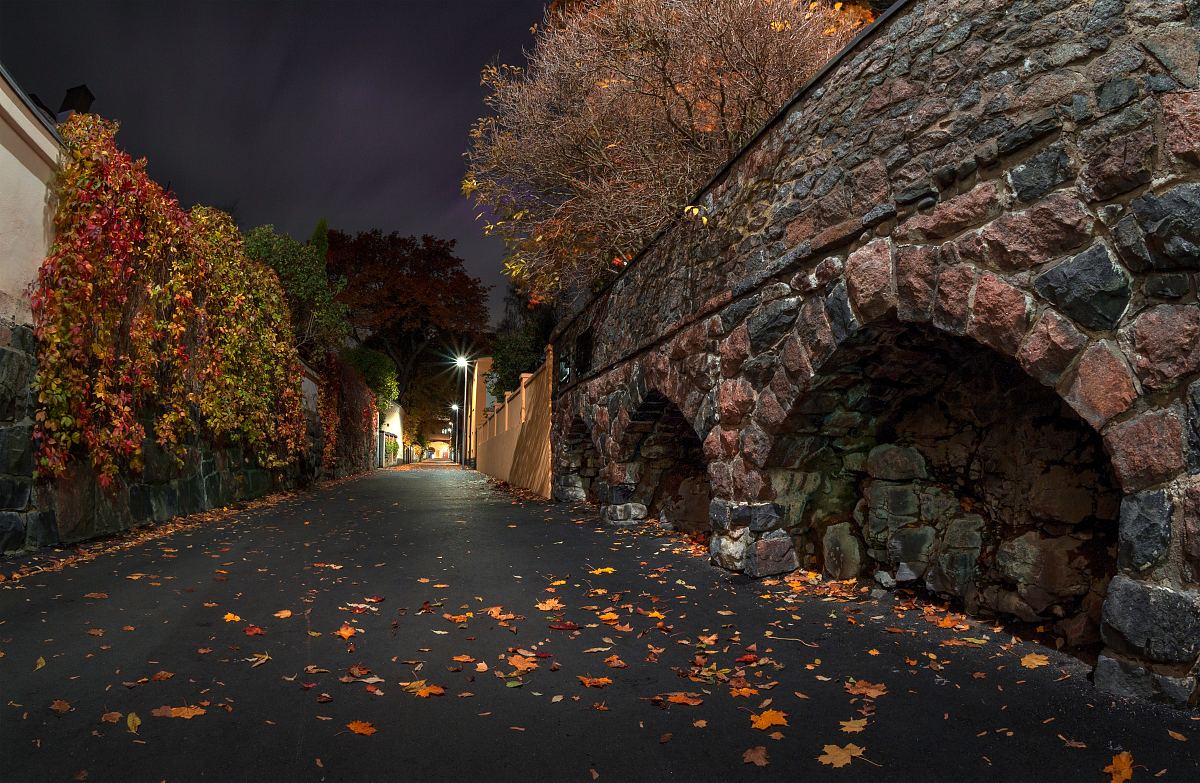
pixel 284 112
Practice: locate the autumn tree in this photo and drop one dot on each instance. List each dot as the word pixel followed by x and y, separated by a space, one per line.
pixel 408 298
pixel 625 108
pixel 318 319
pixel 520 342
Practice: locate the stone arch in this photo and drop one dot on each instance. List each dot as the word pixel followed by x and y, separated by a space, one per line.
pixel 578 465
pixel 934 459
pixel 659 470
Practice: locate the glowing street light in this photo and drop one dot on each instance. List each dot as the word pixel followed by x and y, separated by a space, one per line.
pixel 463 363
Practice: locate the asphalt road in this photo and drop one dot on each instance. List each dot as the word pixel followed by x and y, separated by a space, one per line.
pixel 920 694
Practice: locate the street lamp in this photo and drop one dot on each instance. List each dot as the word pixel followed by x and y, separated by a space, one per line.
pixel 456 429
pixel 463 363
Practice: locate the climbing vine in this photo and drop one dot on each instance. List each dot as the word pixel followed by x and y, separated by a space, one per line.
pixel 147 317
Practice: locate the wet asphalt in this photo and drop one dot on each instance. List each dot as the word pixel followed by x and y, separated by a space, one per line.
pixel 421 565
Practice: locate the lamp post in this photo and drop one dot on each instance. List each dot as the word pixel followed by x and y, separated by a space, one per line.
pixel 454 438
pixel 463 363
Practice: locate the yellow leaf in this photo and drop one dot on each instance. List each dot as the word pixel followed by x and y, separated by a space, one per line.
pixel 768 718
pixel 430 690
pixel 230 617
pixel 835 756
pixel 605 570
pixel 133 721
pixel 1034 660
pixel 854 726
pixel 284 614
pixel 550 605
pixel 1121 768
pixel 346 632
pixel 39 663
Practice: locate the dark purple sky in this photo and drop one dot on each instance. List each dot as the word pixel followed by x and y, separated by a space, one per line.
pixel 287 111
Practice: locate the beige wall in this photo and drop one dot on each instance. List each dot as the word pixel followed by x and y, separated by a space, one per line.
pixel 514 437
pixel 29 154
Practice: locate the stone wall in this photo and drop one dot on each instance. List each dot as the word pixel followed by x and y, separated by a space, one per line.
pixel 21 519
pixel 1005 195
pixel 75 507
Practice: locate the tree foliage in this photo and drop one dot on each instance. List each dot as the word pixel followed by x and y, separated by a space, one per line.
pixel 520 342
pixel 625 108
pixel 407 296
pixel 144 313
pixel 379 372
pixel 319 320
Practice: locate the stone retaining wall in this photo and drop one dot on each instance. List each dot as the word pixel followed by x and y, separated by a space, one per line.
pixel 1000 191
pixel 75 508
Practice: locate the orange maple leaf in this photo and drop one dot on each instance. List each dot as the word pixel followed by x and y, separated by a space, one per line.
pixel 430 690
pixel 361 727
pixel 346 632
pixel 1121 768
pixel 594 682
pixel 615 662
pixel 872 690
pixel 768 718
pixel 550 605
pixel 690 699
pixel 521 663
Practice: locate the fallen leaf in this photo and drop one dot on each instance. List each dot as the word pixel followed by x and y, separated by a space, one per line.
pixel 854 726
pixel 95 596
pixel 768 718
pixel 133 721
pixel 284 614
pixel 1034 660
pixel 872 690
pixel 594 682
pixel 110 717
pixel 1175 735
pixel 756 756
pixel 60 706
pixel 615 662
pixel 550 605
pixel 346 632
pixel 187 713
pixel 836 756
pixel 162 676
pixel 230 617
pixel 605 570
pixel 430 690
pixel 1121 768
pixel 39 663
pixel 361 727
